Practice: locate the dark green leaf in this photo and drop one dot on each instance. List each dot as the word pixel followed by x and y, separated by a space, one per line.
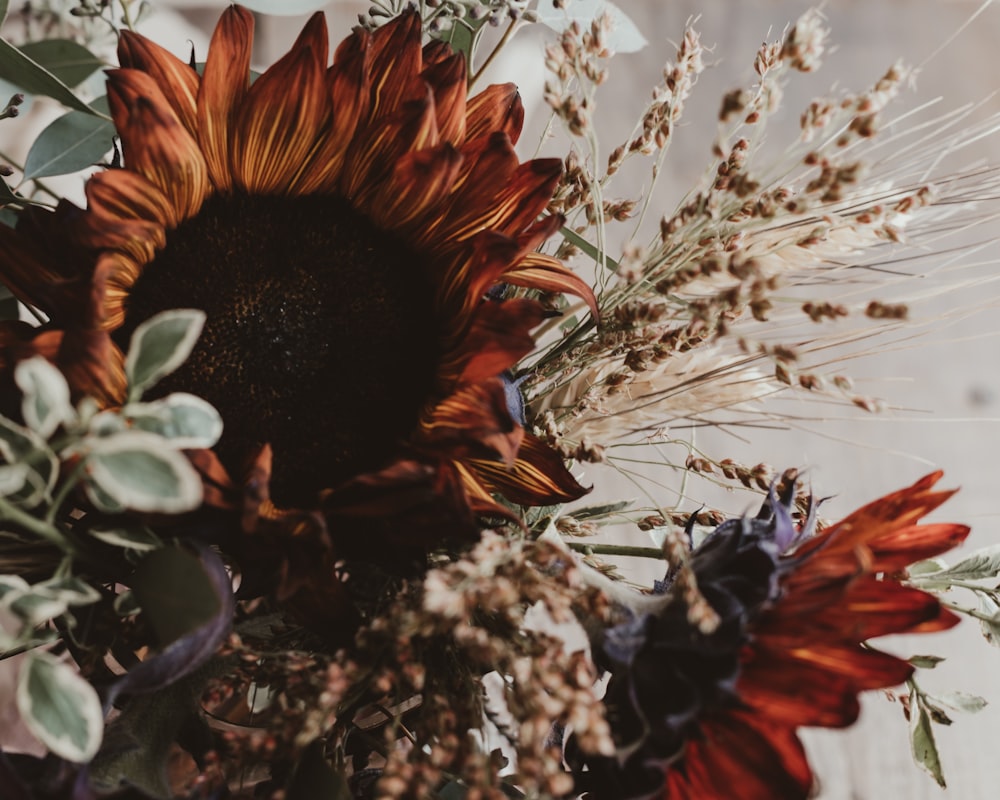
pixel 576 239
pixel 8 303
pixel 70 62
pixel 315 778
pixel 71 143
pixel 31 76
pixel 3 9
pixel 175 592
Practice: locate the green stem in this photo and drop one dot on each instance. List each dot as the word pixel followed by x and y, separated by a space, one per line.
pixel 40 528
pixel 616 550
pixel 24 648
pixel 64 490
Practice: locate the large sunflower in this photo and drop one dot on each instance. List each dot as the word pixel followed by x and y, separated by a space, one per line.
pixel 713 714
pixel 349 230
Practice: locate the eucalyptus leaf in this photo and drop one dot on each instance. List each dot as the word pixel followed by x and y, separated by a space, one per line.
pixel 981 564
pixel 925 662
pixel 73 142
pixel 990 626
pixel 9 309
pixel 13 478
pixel 624 37
pixel 961 701
pixel 186 420
pixel 46 403
pixel 19 445
pixel 160 345
pixel 69 61
pixel 101 499
pixel 31 76
pixel 59 707
pixel 135 469
pixel 922 743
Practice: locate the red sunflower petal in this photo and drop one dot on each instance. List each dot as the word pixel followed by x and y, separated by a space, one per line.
pixel 499 337
pixel 156 145
pixel 474 421
pixel 537 271
pixel 537 477
pixel 224 84
pixel 276 129
pixel 348 86
pixel 176 79
pixel 497 108
pixel 741 755
pixel 447 79
pixel 396 62
pixel 419 181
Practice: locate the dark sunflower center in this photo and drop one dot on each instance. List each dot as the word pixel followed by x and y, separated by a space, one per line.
pixel 320 337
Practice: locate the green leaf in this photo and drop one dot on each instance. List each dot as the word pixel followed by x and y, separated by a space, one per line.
pixel 624 37
pixel 991 626
pixel 922 743
pixel 175 593
pixel 139 539
pixel 577 240
pixel 9 309
pixel 137 470
pixel 160 345
pixel 961 701
pixel 31 76
pixel 70 62
pixel 314 778
pixel 925 662
pixel 3 9
pixel 73 142
pixel 983 563
pixel 599 511
pixel 23 446
pixel 60 707
pixel 46 404
pixel 187 421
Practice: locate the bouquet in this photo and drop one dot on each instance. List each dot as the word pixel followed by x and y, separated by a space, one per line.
pixel 318 401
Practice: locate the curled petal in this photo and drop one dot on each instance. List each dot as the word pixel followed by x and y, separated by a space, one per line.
pixel 156 145
pixel 499 337
pixel 474 421
pixel 176 79
pixel 276 129
pixel 537 477
pixel 224 84
pixel 537 271
pixel 497 108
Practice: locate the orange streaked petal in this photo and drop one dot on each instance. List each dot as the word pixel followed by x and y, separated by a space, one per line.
pixel 474 421
pixel 177 81
pixel 499 337
pixel 224 84
pixel 865 668
pixel 420 180
pixel 396 57
pixel 349 91
pixel 156 145
pixel 371 156
pixel 510 210
pixel 447 79
pixel 496 108
pixel 537 271
pixel 122 194
pixel 537 477
pixel 798 694
pixel 276 129
pixel 900 548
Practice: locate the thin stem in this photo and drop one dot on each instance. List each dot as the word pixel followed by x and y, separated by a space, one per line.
pixel 496 50
pixel 64 490
pixel 40 528
pixel 616 550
